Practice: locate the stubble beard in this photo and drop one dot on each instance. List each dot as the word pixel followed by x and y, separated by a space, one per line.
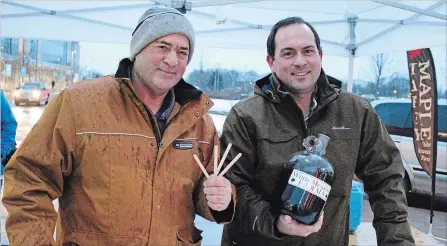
pixel 143 81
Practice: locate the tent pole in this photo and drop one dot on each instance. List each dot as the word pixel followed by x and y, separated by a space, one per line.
pixel 350 73
pixel 352 20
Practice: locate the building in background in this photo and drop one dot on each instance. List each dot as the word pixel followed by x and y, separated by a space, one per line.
pixel 24 60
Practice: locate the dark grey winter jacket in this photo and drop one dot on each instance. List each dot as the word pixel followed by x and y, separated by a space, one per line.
pixel 268 127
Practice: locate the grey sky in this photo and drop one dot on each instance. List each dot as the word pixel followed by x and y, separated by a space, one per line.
pixel 104 58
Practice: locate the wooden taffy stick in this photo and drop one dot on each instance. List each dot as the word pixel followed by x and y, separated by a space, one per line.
pixel 223 158
pixel 216 159
pixel 201 166
pixel 230 165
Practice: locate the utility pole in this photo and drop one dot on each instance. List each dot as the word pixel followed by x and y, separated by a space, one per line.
pixel 216 78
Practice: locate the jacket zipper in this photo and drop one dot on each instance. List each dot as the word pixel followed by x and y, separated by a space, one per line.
pixel 154 127
pixel 158 141
pixel 300 116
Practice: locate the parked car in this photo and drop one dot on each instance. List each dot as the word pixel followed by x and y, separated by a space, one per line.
pixel 396 115
pixel 32 92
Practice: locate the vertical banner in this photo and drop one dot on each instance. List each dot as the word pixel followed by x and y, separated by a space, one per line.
pixel 425 107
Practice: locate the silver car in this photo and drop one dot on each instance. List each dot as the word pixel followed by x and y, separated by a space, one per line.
pixel 396 115
pixel 32 92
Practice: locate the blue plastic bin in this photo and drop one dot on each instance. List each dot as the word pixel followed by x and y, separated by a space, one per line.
pixel 356 207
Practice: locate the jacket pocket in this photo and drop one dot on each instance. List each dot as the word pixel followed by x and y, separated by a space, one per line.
pixel 81 237
pixel 277 146
pixel 190 236
pixel 181 162
pixel 70 244
pixel 273 151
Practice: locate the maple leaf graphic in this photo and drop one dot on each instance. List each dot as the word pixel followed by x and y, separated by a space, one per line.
pixel 414 53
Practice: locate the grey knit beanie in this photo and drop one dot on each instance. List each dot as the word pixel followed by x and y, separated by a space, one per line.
pixel 157 22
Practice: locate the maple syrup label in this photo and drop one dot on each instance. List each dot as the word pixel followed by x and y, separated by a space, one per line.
pixel 310 184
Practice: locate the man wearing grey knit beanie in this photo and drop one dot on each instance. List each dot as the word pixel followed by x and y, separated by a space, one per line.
pixel 120 153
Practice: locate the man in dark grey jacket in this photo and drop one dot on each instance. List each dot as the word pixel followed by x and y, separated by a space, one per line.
pixel 295 101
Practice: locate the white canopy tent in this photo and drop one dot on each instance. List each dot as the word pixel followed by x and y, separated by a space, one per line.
pixel 346 28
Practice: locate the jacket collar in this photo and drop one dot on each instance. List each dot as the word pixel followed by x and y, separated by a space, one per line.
pixel 326 87
pixel 183 91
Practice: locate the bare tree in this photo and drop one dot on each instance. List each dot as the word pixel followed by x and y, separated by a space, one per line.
pixel 379 62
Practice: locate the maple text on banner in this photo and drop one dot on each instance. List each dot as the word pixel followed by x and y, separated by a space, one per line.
pixel 424 106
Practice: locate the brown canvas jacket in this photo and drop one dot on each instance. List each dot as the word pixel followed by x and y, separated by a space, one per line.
pixel 117 180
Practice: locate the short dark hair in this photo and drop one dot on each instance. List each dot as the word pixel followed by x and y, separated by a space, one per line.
pixel 286 22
